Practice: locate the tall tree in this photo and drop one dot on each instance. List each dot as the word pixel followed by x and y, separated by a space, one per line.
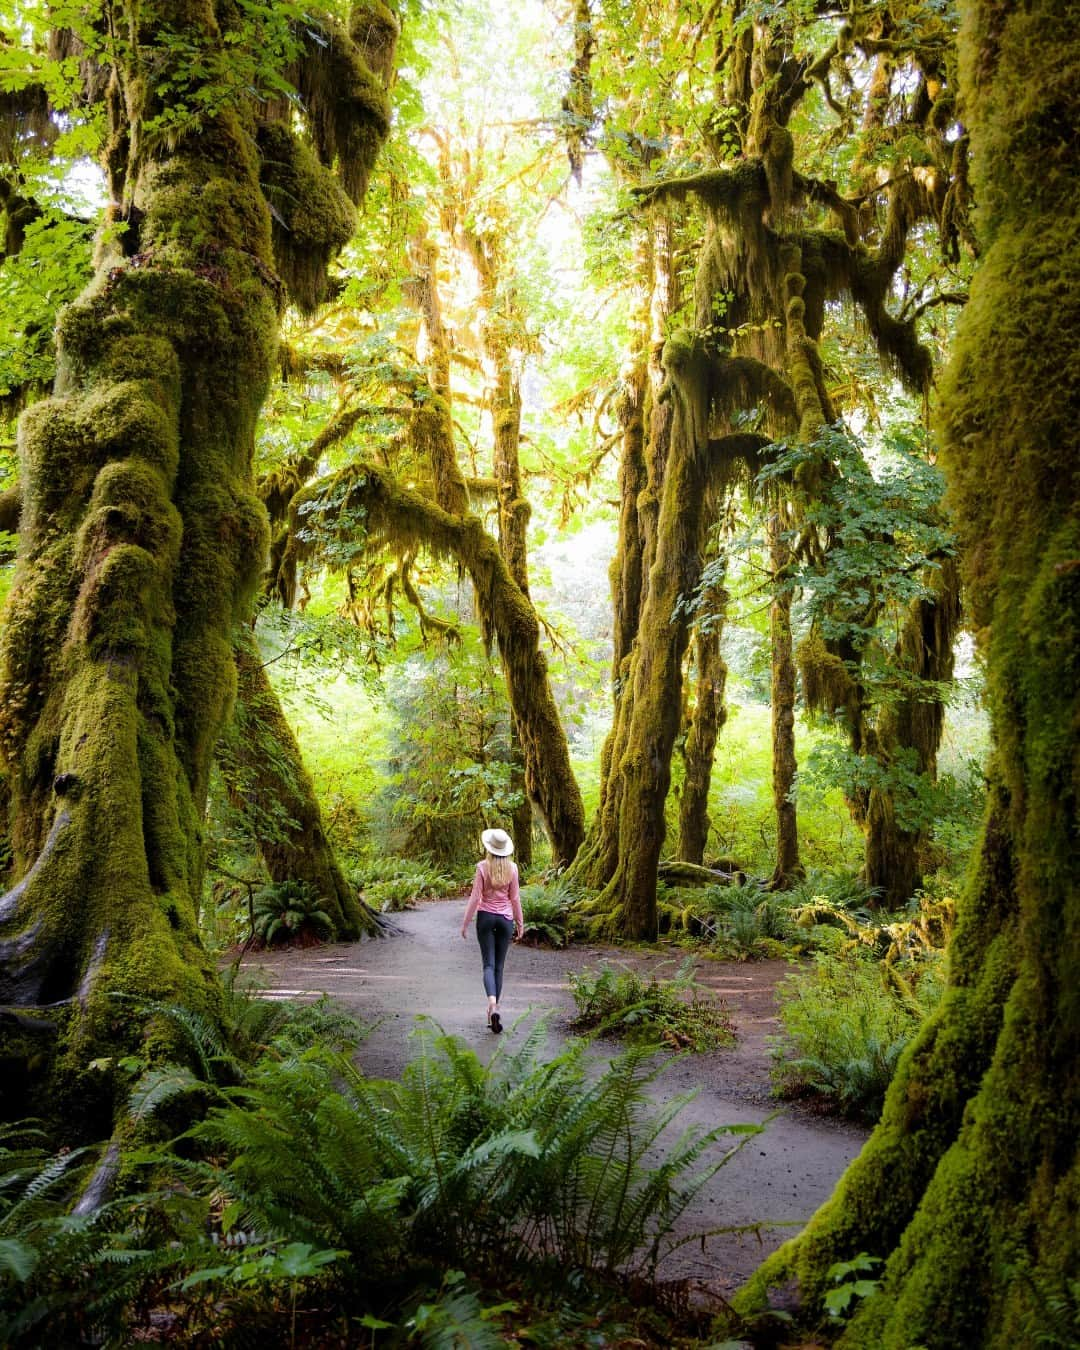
pixel 970 1184
pixel 142 538
pixel 770 260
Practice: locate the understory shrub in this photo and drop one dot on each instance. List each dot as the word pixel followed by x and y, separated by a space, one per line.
pixel 393 884
pixel 312 1205
pixel 546 909
pixel 743 919
pixel 290 911
pixel 846 1020
pixel 674 1012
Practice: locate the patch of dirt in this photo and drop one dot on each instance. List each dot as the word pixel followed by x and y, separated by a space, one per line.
pixel 778 1179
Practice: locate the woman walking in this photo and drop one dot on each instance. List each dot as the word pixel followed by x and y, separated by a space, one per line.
pixel 494 901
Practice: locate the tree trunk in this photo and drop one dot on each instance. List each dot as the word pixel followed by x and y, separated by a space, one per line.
pixel 788 867
pixel 709 716
pixel 627 905
pixel 645 421
pixel 142 541
pixel 893 859
pixel 970 1184
pixel 266 778
pixel 521 820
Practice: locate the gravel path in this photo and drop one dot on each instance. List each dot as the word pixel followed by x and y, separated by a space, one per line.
pixel 780 1177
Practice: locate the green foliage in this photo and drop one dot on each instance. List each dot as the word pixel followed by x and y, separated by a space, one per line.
pixel 852 1284
pixel 843 888
pixel 449 765
pixel 197 81
pixel 307 1185
pixel 672 1012
pixel 289 911
pixel 545 907
pixel 743 920
pixel 880 511
pixel 390 884
pixel 66 1278
pixel 741 810
pixel 501 1168
pixel 846 1021
pixel 49 271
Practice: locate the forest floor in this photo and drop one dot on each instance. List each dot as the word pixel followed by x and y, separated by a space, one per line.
pixel 778 1179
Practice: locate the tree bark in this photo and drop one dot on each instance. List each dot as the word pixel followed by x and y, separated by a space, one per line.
pixel 627 905
pixel 788 867
pixel 265 776
pixel 970 1184
pixel 505 609
pixel 706 723
pixel 893 856
pixel 503 398
pixel 645 421
pixel 142 540
pixel 141 545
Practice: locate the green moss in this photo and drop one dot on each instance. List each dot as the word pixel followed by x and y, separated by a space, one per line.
pixel 969 1184
pixel 313 216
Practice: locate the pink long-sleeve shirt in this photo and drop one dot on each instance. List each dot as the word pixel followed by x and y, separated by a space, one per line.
pixel 494 899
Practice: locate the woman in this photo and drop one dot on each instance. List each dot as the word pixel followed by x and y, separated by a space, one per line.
pixel 494 901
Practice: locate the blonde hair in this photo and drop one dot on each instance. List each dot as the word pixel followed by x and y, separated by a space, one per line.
pixel 498 869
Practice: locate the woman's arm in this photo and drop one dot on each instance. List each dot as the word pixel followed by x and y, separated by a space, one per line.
pixel 474 899
pixel 515 903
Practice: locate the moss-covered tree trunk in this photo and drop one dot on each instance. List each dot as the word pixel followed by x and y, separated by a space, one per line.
pixel 706 723
pixel 265 776
pixel 645 426
pixel 503 399
pixel 970 1185
pixel 142 537
pixel 912 726
pixel 627 905
pixel 141 543
pixel 784 764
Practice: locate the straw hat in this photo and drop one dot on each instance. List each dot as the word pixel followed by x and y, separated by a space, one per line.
pixel 497 842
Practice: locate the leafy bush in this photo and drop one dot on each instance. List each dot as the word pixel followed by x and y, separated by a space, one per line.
pixel 392 884
pixel 66 1278
pixel 309 1194
pixel 290 911
pixel 448 772
pixel 498 1168
pixel 672 1012
pixel 846 1020
pixel 545 907
pixel 745 917
pixel 843 889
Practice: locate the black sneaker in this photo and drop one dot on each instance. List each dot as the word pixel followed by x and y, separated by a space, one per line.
pixel 496 1023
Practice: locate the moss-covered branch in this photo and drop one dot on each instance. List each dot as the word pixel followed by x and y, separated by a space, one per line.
pixel 410 519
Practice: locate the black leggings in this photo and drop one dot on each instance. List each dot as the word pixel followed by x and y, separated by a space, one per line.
pixel 494 932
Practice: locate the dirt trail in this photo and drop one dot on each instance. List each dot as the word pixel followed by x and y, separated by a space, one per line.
pixel 780 1176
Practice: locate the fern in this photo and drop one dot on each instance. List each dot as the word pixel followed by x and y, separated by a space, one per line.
pixel 499 1167
pixel 289 909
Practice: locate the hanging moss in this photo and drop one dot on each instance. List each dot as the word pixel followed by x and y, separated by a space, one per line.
pixel 826 683
pixel 411 520
pixel 313 217
pixel 344 98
